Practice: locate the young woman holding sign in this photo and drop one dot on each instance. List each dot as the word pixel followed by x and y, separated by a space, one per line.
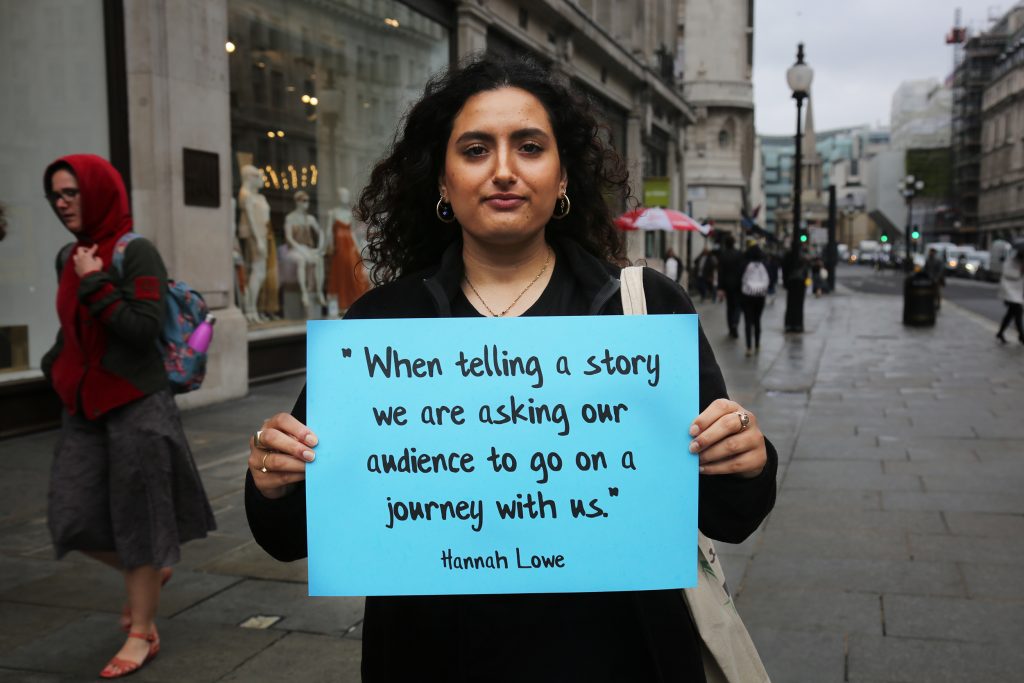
pixel 470 215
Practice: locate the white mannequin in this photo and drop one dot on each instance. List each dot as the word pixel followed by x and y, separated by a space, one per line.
pixel 298 226
pixel 342 212
pixel 252 231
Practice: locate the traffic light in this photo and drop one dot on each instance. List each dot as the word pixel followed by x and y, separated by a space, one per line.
pixel 915 234
pixel 884 238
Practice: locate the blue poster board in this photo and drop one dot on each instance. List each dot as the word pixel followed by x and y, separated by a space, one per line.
pixel 522 455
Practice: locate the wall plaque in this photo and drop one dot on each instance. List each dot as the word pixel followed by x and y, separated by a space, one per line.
pixel 201 172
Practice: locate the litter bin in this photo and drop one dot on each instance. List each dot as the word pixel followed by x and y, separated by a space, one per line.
pixel 919 296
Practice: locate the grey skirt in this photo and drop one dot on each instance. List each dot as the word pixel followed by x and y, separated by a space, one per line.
pixel 127 483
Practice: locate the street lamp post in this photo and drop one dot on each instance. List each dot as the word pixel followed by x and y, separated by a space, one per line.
pixel 799 77
pixel 909 187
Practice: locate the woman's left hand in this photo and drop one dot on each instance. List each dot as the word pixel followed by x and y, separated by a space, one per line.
pixel 86 261
pixel 728 440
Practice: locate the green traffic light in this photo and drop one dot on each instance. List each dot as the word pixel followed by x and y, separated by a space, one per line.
pixel 803 238
pixel 884 239
pixel 915 235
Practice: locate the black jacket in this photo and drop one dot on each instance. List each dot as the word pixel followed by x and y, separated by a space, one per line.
pixel 433 637
pixel 730 270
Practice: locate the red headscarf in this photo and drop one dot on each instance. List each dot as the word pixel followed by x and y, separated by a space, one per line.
pixel 103 203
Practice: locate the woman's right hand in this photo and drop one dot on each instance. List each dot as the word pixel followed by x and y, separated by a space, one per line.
pixel 278 460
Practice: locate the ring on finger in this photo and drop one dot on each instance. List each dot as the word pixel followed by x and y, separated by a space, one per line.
pixel 258 440
pixel 744 420
pixel 263 464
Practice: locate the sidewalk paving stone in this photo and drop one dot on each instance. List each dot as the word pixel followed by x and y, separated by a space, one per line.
pixel 994 581
pixel 793 656
pixel 953 500
pixel 978 621
pixel 776 572
pixel 840 521
pixel 825 543
pixel 848 475
pixel 838 612
pixel 298 612
pixel 909 660
pixel 289 659
pixel 1009 527
pixel 938 547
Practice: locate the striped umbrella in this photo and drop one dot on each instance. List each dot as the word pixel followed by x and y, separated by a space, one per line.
pixel 659 219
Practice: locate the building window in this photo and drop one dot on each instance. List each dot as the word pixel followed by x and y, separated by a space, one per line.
pixel 723 139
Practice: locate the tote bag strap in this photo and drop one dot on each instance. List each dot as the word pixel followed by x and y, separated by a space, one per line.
pixel 632 289
pixel 728 653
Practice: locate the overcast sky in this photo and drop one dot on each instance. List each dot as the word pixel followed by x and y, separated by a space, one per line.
pixel 860 52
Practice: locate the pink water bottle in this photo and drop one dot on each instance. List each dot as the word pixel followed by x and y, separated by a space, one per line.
pixel 200 338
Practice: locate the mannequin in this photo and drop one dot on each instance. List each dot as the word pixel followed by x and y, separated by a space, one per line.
pixel 348 279
pixel 236 258
pixel 253 225
pixel 305 248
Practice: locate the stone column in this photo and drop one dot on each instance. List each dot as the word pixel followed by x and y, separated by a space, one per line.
pixel 635 164
pixel 471 31
pixel 177 99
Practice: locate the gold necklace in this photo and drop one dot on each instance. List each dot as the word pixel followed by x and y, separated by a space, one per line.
pixel 516 300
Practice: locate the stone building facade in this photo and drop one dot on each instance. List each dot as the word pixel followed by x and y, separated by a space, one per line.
pixel 715 60
pixel 1001 182
pixel 180 95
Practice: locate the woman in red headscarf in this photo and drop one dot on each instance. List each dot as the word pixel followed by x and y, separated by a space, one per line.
pixel 124 488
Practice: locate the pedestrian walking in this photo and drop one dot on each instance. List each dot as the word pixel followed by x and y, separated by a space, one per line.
pixel 753 290
pixel 730 271
pixel 794 279
pixel 771 262
pixel 935 268
pixel 124 489
pixel 673 266
pixel 487 160
pixel 1011 290
pixel 707 268
pixel 819 277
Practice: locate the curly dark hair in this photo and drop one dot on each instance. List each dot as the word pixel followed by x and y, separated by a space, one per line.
pixel 398 205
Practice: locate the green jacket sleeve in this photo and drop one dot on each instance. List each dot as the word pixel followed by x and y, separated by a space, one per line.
pixel 129 303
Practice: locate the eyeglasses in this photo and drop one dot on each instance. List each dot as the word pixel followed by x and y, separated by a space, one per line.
pixel 67 195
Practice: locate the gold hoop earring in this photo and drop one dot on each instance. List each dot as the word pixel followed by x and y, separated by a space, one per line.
pixel 562 207
pixel 444 211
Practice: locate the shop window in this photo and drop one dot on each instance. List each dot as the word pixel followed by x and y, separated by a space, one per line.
pixel 328 122
pixel 277 89
pixel 259 83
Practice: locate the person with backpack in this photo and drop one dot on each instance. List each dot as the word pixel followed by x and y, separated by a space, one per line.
pixel 124 488
pixel 753 290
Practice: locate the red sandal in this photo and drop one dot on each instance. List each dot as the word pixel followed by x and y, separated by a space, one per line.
pixel 126 612
pixel 117 667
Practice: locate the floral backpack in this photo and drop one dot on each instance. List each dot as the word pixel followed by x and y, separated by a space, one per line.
pixel 186 309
